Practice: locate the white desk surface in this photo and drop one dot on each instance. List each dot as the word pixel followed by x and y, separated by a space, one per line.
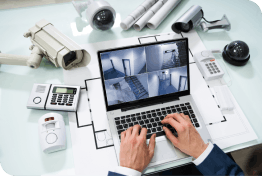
pixel 20 152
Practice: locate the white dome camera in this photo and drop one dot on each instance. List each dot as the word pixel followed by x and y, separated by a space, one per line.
pixel 99 14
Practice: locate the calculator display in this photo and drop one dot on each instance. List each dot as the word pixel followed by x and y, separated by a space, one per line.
pixel 64 90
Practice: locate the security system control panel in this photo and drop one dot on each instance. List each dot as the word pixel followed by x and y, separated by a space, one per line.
pixel 54 97
pixel 208 65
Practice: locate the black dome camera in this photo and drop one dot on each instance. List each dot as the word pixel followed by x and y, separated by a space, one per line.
pixel 103 20
pixel 236 53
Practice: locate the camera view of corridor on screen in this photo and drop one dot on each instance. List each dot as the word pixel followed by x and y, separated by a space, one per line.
pixel 142 72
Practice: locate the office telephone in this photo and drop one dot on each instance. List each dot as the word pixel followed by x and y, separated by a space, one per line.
pixel 208 65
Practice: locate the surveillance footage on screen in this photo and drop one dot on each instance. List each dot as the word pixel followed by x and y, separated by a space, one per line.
pixel 142 72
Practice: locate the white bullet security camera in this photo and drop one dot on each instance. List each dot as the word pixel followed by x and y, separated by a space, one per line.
pixel 50 43
pixel 99 14
pixel 192 18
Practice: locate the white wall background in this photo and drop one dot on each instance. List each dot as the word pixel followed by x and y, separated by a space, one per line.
pixel 117 57
pixel 154 58
pixel 153 84
pixel 106 63
pixel 139 60
pixel 175 75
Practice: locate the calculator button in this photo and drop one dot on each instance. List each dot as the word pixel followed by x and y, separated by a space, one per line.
pixel 211 73
pixel 68 104
pixel 54 94
pixel 53 103
pixel 61 104
pixel 214 63
pixel 218 71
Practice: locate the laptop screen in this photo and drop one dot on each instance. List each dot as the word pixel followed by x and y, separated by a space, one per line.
pixel 142 72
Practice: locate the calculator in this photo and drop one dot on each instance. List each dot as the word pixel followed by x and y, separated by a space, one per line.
pixel 54 97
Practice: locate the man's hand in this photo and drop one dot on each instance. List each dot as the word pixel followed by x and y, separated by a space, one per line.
pixel 188 141
pixel 134 152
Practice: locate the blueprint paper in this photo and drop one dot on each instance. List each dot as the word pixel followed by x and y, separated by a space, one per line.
pixel 91 138
pixel 236 130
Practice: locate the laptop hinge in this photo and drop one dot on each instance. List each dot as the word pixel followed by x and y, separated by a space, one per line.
pixel 149 104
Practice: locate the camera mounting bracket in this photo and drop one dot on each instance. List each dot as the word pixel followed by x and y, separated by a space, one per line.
pixel 221 24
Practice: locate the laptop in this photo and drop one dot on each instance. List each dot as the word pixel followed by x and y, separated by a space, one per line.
pixel 144 83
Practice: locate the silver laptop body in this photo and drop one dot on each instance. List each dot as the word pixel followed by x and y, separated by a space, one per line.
pixel 131 96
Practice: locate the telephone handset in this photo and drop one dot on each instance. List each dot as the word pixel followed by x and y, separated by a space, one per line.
pixel 208 65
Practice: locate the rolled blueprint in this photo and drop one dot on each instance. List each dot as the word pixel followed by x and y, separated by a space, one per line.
pixel 136 14
pixel 140 24
pixel 162 13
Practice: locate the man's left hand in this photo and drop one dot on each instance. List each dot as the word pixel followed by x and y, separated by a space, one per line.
pixel 134 152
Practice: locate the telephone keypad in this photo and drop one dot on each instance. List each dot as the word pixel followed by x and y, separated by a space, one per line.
pixel 62 99
pixel 212 68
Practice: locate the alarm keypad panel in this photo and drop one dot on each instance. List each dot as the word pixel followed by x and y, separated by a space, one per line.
pixel 63 96
pixel 212 67
pixel 54 97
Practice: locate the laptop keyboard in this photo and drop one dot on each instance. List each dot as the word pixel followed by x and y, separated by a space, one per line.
pixel 152 119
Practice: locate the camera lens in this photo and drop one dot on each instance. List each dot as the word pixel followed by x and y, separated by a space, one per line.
pixel 69 58
pixel 182 27
pixel 104 20
pixel 186 27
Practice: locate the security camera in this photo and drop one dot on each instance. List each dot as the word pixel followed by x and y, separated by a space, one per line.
pixel 50 43
pixel 192 18
pixel 99 14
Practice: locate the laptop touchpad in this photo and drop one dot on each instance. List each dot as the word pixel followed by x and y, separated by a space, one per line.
pixel 164 150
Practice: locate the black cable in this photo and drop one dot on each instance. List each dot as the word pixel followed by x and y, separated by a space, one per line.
pixel 210 21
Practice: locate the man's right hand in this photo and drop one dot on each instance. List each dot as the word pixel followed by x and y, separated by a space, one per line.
pixel 188 141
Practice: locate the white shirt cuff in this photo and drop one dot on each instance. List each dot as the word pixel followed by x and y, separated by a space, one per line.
pixel 204 155
pixel 127 171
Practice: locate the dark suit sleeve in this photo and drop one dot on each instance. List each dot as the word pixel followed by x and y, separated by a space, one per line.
pixel 218 163
pixel 114 174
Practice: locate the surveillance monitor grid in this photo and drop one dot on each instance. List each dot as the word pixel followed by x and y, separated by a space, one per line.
pixel 142 72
